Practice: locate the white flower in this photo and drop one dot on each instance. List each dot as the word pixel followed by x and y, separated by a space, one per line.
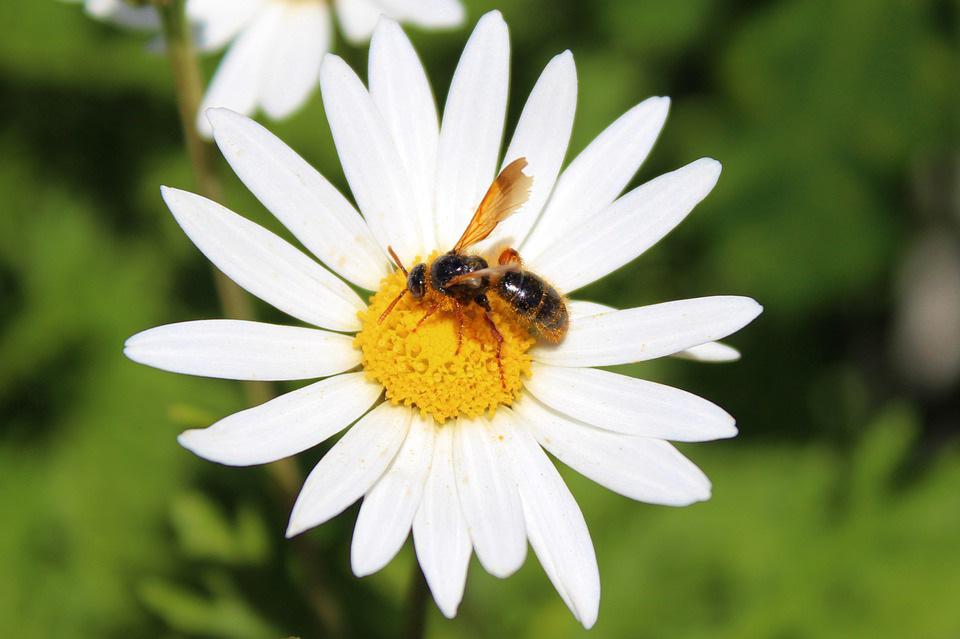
pixel 123 14
pixel 471 482
pixel 277 45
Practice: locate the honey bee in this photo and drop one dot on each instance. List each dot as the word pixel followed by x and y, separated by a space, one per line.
pixel 464 279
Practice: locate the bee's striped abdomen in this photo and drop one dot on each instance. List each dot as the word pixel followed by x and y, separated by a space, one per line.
pixel 531 297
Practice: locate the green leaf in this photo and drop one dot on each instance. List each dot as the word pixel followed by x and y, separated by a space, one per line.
pixel 221 614
pixel 204 532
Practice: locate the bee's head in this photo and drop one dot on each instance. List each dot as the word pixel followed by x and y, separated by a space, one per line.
pixel 417 281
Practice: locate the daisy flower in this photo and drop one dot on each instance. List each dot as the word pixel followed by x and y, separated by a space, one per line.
pixel 438 443
pixel 276 46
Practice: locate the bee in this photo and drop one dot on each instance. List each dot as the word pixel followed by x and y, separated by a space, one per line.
pixel 464 278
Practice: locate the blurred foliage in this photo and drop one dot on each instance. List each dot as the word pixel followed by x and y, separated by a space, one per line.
pixel 835 512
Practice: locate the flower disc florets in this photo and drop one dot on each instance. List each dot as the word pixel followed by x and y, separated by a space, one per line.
pixel 421 367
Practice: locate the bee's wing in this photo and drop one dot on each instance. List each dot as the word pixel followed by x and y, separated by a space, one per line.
pixel 504 197
pixel 474 278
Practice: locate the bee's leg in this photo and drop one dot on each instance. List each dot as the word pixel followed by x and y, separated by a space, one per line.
pixel 458 308
pixel 430 311
pixel 485 304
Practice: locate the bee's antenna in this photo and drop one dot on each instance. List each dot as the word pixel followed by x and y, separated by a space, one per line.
pixel 395 301
pixel 396 260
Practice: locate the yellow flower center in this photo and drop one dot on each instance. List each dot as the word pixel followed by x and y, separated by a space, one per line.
pixel 421 366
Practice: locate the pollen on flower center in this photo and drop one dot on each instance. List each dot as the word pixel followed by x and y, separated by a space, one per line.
pixel 420 367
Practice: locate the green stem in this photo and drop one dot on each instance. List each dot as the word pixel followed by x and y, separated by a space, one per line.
pixel 415 624
pixel 189 91
pixel 188 84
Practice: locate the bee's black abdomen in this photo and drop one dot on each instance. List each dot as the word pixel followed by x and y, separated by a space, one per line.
pixel 521 291
pixel 534 299
pixel 552 314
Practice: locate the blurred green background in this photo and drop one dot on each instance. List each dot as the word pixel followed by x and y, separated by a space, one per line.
pixel 835 512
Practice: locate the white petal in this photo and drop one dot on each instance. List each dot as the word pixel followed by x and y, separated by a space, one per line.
pixel 628 405
pixel 472 127
pixel 542 137
pixel 578 308
pixel 351 467
pixel 626 228
pixel 714 352
pixel 124 15
pixel 370 159
pixel 641 468
pixel 710 352
pixel 294 68
pixel 238 81
pixel 238 349
pixel 401 91
pixel 599 174
pixel 430 14
pixel 387 512
pixel 488 493
pixel 648 332
pixel 557 531
pixel 357 18
pixel 440 532
pixel 216 22
pixel 286 425
pixel 264 264
pixel 307 204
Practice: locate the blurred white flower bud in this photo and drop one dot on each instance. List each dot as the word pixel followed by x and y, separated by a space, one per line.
pixel 927 324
